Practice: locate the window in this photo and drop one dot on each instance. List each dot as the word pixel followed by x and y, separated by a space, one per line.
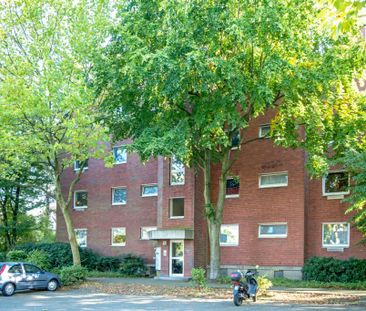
pixel 177 172
pixel 144 232
pixel 77 165
pixel 264 130
pixel 272 230
pixel 229 235
pixel 119 196
pixel 235 141
pixel 31 269
pixel 80 199
pixel 118 236
pixel 232 187
pixel 177 208
pixel 336 183
pixel 272 180
pixel 149 190
pixel 82 237
pixel 335 234
pixel 120 154
pixel 16 269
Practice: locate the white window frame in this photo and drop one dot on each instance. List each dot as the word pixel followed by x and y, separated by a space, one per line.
pixel 86 236
pixel 272 236
pixel 260 134
pixel 149 195
pixel 118 244
pixel 327 194
pixel 76 169
pixel 147 229
pixel 237 233
pixel 118 203
pixel 272 185
pixel 80 207
pixel 116 147
pixel 171 208
pixel 170 171
pixel 231 196
pixel 334 245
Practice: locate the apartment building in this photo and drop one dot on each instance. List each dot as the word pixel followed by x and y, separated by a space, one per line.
pixel 275 216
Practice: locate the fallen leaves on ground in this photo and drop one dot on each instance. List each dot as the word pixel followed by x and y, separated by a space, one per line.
pixel 219 293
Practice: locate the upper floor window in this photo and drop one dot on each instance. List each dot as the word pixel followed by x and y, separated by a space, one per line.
pixel 77 165
pixel 149 190
pixel 177 208
pixel 119 196
pixel 229 235
pixel 232 187
pixel 264 130
pixel 235 141
pixel 272 180
pixel 120 154
pixel 145 232
pixel 335 235
pixel 80 199
pixel 272 230
pixel 336 183
pixel 177 172
pixel 118 236
pixel 82 237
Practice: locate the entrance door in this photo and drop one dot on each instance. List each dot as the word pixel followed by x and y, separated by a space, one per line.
pixel 176 258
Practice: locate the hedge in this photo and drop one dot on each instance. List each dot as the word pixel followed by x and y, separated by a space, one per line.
pixel 329 269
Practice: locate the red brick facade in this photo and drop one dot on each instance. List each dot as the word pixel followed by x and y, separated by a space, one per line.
pixel 300 205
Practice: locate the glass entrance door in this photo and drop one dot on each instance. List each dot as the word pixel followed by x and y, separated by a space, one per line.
pixel 176 258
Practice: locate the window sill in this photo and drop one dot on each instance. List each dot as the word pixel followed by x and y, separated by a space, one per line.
pixel 272 237
pixel 80 208
pixel 149 196
pixel 118 204
pixel 335 195
pixel 231 196
pixel 176 217
pixel 273 186
pixel 118 245
pixel 229 245
pixel 171 184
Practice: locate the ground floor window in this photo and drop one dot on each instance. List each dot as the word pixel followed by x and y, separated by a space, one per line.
pixel 149 190
pixel 118 236
pixel 229 235
pixel 273 180
pixel 82 237
pixel 277 230
pixel 335 234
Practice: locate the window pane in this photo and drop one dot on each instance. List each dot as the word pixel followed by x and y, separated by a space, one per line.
pixel 232 186
pixel 177 249
pixel 81 237
pixel 335 234
pixel 119 196
pixel 229 235
pixel 119 236
pixel 264 130
pixel 235 140
pixel 273 229
pixel 336 182
pixel 177 207
pixel 274 179
pixel 31 269
pixel 177 172
pixel 81 199
pixel 150 190
pixel 120 154
pixel 16 269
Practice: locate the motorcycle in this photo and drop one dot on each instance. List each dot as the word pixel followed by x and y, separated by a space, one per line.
pixel 244 289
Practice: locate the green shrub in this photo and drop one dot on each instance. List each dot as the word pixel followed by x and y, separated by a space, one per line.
pixel 224 279
pixel 329 269
pixel 108 263
pixel 199 277
pixel 16 255
pixel 2 256
pixel 132 265
pixel 73 275
pixel 264 284
pixel 40 259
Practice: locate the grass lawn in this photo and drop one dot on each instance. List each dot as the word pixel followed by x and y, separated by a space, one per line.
pixel 281 282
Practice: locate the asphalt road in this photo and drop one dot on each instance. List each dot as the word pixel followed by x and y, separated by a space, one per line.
pixel 81 300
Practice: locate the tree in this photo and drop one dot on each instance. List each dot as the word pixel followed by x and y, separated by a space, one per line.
pixel 47 103
pixel 185 77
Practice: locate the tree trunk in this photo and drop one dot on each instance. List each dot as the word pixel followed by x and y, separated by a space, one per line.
pixel 15 211
pixel 214 212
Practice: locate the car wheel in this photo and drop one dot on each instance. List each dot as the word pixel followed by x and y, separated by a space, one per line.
pixel 52 285
pixel 8 289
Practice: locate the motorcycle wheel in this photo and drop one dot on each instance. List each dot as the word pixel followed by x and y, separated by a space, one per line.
pixel 238 301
